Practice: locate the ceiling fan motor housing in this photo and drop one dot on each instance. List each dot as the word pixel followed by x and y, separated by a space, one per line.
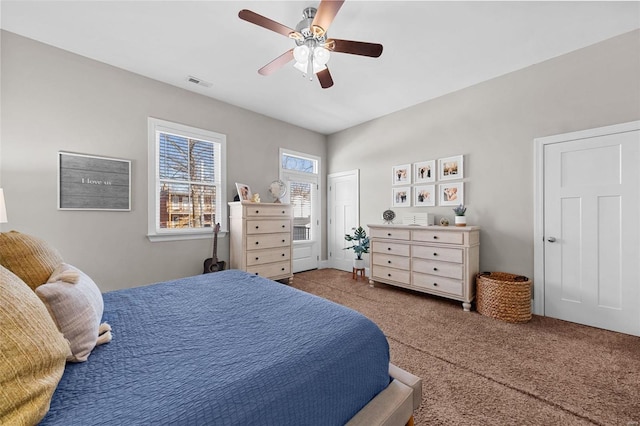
pixel 304 28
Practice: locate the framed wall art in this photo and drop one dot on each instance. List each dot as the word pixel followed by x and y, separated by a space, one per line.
pixel 424 195
pixel 244 191
pixel 451 168
pixel 402 174
pixel 90 182
pixel 424 171
pixel 401 196
pixel 451 194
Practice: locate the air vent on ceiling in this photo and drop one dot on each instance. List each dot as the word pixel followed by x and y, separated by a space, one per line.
pixel 198 81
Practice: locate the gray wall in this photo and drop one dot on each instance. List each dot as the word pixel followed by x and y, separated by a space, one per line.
pixel 494 124
pixel 54 100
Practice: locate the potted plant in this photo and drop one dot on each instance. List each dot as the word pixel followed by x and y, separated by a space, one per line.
pixel 460 210
pixel 360 246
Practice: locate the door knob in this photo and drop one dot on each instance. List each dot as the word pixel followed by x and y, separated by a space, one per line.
pixel 551 239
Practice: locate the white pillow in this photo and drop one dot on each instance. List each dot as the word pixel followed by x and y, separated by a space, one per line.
pixel 75 304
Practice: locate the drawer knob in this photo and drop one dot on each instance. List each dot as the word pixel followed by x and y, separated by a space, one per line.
pixel 256 273
pixel 257 211
pixel 283 254
pixel 435 237
pixel 283 241
pixel 257 227
pixel 282 211
pixel 388 261
pixel 389 248
pixel 257 258
pixel 435 284
pixel 389 234
pixel 284 226
pixel 388 275
pixel 435 269
pixel 435 254
pixel 257 242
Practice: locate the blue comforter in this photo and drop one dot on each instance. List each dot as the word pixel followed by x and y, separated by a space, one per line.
pixel 228 348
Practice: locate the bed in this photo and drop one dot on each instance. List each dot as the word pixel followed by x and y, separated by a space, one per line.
pixel 226 348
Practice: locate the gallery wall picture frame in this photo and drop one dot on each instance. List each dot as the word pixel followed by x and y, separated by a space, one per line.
pixel 424 171
pixel 401 196
pixel 244 191
pixel 91 182
pixel 451 194
pixel 401 175
pixel 450 168
pixel 424 195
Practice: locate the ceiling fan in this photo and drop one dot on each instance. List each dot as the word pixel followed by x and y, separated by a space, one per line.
pixel 312 50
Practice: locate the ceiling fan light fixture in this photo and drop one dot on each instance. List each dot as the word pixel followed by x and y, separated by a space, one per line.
pixel 321 55
pixel 301 54
pixel 317 31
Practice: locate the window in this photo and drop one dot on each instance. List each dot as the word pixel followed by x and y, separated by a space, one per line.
pixel 186 181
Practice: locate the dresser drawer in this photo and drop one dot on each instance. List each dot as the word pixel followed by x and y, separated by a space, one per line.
pixel 385 273
pixel 439 253
pixel 390 260
pixel 447 237
pixel 390 248
pixel 268 226
pixel 259 257
pixel 260 241
pixel 271 269
pixel 439 284
pixel 258 210
pixel 442 269
pixel 394 234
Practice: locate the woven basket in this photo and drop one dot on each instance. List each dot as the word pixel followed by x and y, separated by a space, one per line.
pixel 504 296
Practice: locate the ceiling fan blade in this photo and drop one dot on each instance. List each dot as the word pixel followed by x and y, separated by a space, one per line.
pixel 362 48
pixel 277 63
pixel 327 10
pixel 267 23
pixel 324 77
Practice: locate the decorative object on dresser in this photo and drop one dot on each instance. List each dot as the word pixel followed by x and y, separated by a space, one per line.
pixel 277 189
pixel 213 264
pixel 244 191
pixel 438 260
pixel 444 221
pixel 260 239
pixel 460 210
pixel 388 216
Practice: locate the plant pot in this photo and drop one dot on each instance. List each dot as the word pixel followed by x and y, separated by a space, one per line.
pixel 359 263
pixel 461 221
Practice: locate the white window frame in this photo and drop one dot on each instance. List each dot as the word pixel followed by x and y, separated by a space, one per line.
pixel 154 232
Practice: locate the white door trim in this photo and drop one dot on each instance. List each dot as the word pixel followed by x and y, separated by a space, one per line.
pixel 538 198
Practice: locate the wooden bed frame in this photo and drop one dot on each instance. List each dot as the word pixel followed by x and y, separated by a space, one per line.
pixel 393 406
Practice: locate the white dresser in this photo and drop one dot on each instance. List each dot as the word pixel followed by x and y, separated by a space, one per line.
pixel 261 239
pixel 441 260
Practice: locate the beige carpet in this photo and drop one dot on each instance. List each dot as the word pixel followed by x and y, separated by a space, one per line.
pixel 478 370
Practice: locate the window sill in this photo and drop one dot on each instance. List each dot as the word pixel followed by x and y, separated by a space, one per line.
pixel 156 238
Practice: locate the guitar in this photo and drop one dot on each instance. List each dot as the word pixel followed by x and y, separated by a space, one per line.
pixel 213 264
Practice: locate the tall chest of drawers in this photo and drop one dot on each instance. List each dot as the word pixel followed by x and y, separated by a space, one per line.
pixel 439 260
pixel 261 239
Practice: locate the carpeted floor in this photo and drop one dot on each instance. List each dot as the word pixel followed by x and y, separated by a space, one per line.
pixel 478 370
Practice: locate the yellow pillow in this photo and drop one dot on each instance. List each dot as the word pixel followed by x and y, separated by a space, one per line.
pixel 30 258
pixel 75 304
pixel 32 353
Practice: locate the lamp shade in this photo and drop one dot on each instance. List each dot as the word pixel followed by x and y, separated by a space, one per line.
pixel 3 209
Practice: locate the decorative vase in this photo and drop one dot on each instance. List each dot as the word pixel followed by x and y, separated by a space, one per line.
pixel 461 221
pixel 444 222
pixel 359 263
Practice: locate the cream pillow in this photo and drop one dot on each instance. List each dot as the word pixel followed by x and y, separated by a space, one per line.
pixel 30 258
pixel 32 353
pixel 75 304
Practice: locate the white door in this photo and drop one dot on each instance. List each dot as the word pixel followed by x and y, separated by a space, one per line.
pixel 343 216
pixel 591 232
pixel 300 172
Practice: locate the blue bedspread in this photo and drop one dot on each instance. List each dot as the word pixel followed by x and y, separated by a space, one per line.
pixel 227 348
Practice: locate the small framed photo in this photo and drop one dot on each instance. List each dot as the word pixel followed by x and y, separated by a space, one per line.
pixel 402 174
pixel 424 171
pixel 244 191
pixel 424 196
pixel 451 168
pixel 401 196
pixel 451 194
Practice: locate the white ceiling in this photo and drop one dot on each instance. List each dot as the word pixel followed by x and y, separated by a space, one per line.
pixel 430 48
